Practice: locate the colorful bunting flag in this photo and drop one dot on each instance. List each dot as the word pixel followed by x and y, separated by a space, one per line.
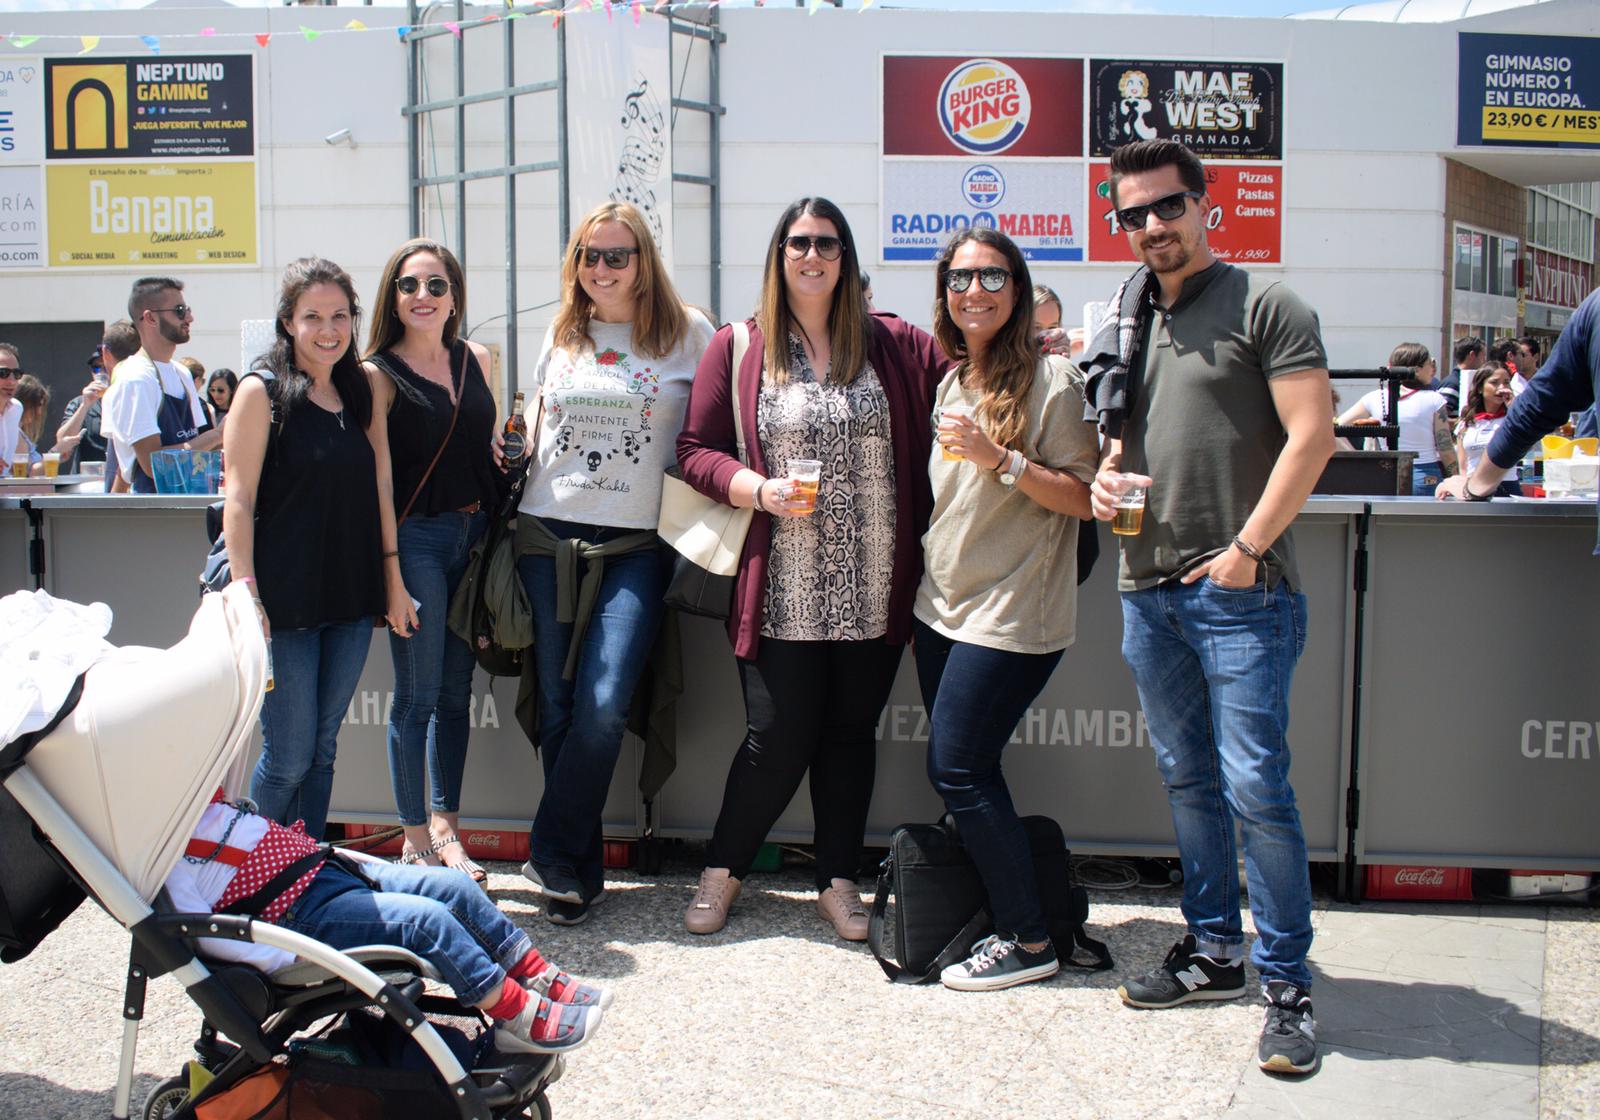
pixel 151 41
pixel 455 28
pixel 90 42
pixel 208 32
pixel 355 25
pixel 638 10
pixel 402 31
pixel 263 38
pixel 311 33
pixel 20 41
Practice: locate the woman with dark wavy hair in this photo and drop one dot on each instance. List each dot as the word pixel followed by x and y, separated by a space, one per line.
pixel 997 605
pixel 822 600
pixel 301 520
pixel 433 420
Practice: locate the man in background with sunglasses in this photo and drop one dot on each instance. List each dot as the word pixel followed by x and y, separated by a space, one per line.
pixel 1224 414
pixel 151 404
pixel 10 407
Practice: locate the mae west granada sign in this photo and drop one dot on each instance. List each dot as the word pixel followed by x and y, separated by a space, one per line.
pixel 150 107
pixel 1528 91
pixel 1219 110
pixel 122 214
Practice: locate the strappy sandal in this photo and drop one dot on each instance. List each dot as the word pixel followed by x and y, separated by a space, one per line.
pixel 409 856
pixel 466 865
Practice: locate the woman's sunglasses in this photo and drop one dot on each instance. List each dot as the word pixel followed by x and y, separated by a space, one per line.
pixel 438 286
pixel 616 259
pixel 992 278
pixel 1132 218
pixel 828 248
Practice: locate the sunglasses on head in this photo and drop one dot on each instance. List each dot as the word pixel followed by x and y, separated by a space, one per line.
pixel 992 279
pixel 1132 218
pixel 182 310
pixel 828 248
pixel 438 286
pixel 615 258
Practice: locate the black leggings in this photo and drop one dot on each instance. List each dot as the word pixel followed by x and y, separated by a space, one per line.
pixel 809 705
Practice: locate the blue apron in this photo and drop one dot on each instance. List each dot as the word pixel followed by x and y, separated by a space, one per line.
pixel 176 421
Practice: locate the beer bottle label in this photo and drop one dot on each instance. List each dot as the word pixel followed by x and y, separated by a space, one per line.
pixel 515 445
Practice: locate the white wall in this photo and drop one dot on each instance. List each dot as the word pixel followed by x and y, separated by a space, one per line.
pixel 1368 109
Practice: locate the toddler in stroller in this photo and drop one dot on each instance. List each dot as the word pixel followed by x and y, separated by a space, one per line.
pixel 119 798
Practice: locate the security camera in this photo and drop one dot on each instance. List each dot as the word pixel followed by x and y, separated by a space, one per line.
pixel 341 137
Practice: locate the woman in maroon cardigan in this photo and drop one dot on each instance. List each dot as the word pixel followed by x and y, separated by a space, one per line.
pixel 822 601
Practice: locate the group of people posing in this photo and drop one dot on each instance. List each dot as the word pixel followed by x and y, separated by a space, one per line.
pixel 956 469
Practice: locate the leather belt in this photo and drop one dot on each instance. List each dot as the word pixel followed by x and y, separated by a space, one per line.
pixel 473 508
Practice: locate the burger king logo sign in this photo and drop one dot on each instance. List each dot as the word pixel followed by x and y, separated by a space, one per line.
pixel 984 106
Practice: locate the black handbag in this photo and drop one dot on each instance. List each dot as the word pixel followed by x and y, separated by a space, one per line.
pixel 941 908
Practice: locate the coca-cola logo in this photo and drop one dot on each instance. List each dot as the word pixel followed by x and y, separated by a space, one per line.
pixel 1419 877
pixel 485 840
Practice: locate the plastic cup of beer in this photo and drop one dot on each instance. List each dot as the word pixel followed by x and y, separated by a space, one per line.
pixel 806 474
pixel 1129 518
pixel 950 453
pixel 52 464
pixel 19 467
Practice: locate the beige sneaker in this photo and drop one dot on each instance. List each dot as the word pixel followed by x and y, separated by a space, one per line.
pixel 841 904
pixel 709 910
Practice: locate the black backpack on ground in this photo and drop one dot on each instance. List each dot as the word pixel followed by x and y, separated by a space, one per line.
pixel 941 907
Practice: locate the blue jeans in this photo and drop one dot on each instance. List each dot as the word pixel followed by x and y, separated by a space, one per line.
pixel 432 668
pixel 442 916
pixel 1425 478
pixel 581 720
pixel 974 697
pixel 1213 668
pixel 314 674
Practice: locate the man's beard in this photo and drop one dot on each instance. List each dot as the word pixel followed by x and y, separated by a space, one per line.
pixel 177 332
pixel 1174 257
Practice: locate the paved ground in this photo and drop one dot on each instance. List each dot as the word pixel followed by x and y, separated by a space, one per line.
pixel 1432 1011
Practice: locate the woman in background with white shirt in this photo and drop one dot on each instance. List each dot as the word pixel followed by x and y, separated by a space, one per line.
pixel 1423 417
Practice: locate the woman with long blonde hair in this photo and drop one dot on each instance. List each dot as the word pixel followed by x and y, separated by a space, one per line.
pixel 998 600
pixel 822 599
pixel 608 398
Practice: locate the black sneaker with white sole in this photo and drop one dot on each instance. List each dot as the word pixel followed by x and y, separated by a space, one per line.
pixel 1289 1035
pixel 998 962
pixel 564 913
pixel 553 882
pixel 1185 976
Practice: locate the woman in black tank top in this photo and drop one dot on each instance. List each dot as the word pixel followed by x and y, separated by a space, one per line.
pixel 433 419
pixel 301 520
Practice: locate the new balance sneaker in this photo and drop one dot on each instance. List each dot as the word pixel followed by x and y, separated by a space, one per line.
pixel 1184 976
pixel 553 882
pixel 558 987
pixel 547 1027
pixel 1289 1035
pixel 564 913
pixel 998 962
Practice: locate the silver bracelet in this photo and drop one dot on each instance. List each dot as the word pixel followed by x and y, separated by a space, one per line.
pixel 756 499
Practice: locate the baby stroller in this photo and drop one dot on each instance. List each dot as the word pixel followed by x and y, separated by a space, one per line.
pixel 101 802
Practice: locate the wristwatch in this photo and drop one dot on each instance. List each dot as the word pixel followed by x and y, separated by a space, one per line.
pixel 1013 469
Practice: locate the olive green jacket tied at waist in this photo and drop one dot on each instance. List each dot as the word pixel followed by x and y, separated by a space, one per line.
pixel 653 714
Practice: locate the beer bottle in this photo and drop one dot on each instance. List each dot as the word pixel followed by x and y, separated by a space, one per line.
pixel 514 441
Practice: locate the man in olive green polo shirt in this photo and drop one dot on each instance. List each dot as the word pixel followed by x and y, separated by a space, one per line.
pixel 1227 420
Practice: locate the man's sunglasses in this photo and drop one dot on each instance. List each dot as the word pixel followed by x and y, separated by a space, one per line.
pixel 438 286
pixel 828 248
pixel 182 310
pixel 616 259
pixel 1132 218
pixel 992 278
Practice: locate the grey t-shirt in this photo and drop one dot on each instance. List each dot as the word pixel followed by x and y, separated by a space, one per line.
pixel 1201 422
